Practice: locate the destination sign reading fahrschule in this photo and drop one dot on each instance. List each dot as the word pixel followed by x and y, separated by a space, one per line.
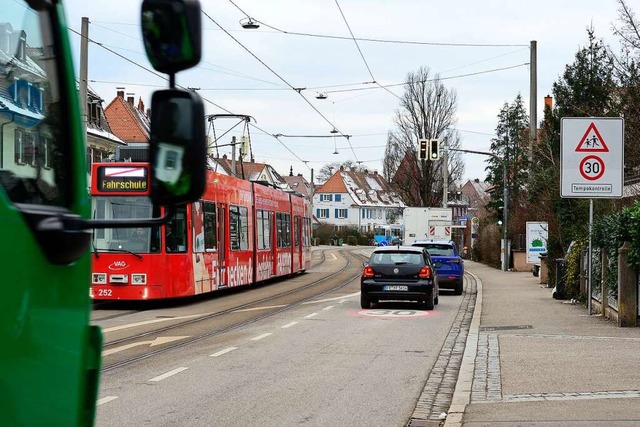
pixel 132 179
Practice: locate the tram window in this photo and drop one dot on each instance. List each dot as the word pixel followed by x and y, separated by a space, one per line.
pixel 176 232
pixel 263 224
pixel 283 223
pixel 210 238
pixel 296 231
pixel 239 228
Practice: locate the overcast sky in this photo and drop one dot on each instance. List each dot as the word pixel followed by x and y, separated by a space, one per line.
pixel 234 80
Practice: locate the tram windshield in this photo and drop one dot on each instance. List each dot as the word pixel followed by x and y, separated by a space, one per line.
pixel 138 239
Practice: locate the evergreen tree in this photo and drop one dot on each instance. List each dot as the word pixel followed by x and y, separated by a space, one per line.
pixel 510 145
pixel 586 88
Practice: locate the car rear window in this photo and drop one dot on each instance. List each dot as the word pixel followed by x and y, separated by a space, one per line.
pixel 439 250
pixel 396 258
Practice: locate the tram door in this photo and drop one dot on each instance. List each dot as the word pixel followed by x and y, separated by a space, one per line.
pixel 297 243
pixel 274 243
pixel 223 236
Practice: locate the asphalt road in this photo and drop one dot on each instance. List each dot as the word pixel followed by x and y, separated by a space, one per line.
pixel 318 363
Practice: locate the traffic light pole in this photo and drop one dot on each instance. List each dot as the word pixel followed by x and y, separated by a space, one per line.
pixel 505 211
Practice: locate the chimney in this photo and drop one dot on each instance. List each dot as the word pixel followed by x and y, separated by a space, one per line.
pixel 291 171
pixel 375 172
pixel 140 105
pixel 477 180
pixel 548 102
pixel 130 97
pixel 341 167
pixel 148 113
pixel 120 92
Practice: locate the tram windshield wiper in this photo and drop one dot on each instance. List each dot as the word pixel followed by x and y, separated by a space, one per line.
pixel 122 250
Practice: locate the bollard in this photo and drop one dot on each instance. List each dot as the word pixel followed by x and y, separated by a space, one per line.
pixel 627 289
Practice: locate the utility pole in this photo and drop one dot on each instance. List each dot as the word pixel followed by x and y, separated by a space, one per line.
pixel 233 156
pixel 445 174
pixel 84 61
pixel 533 97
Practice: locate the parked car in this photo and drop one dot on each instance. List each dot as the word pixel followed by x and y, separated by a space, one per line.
pixel 448 263
pixel 399 273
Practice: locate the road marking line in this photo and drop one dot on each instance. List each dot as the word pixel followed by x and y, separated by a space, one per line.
pixel 152 343
pixel 168 374
pixel 148 322
pixel 334 256
pixel 329 307
pixel 225 351
pixel 106 399
pixel 309 316
pixel 288 325
pixel 343 297
pixel 259 337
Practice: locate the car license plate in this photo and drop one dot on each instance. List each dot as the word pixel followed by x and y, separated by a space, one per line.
pixel 396 288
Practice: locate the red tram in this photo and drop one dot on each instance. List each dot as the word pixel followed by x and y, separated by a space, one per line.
pixel 239 233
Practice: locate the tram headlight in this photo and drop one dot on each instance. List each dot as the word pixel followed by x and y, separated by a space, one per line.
pixel 138 279
pixel 98 278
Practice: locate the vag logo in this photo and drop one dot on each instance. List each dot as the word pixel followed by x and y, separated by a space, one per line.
pixel 118 265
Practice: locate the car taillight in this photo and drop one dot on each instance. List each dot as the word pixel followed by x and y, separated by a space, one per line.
pixel 368 272
pixel 425 273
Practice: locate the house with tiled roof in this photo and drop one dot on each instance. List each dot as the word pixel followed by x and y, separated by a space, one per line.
pixel 299 184
pixel 360 199
pixel 24 145
pixel 101 142
pixel 251 171
pixel 131 123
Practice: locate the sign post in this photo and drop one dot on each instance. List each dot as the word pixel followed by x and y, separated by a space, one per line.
pixel 591 155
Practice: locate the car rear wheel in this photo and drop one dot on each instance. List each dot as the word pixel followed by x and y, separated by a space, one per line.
pixel 365 302
pixel 458 289
pixel 435 300
pixel 428 303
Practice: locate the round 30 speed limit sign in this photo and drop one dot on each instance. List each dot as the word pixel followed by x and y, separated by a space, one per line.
pixel 592 168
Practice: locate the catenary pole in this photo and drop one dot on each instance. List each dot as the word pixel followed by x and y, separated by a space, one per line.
pixel 533 97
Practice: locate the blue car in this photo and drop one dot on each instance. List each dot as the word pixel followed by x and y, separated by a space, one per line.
pixel 449 265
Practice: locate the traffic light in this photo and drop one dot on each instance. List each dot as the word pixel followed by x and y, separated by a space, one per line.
pixel 434 149
pixel 422 151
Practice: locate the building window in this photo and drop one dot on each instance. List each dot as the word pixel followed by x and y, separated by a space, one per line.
pixel 338 198
pixel 322 213
pixel 341 213
pixel 24 147
pixel 43 151
pixel 326 197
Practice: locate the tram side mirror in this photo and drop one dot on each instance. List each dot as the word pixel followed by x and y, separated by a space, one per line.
pixel 177 147
pixel 171 30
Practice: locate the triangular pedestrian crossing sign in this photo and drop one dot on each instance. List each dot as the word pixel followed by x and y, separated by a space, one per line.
pixel 592 141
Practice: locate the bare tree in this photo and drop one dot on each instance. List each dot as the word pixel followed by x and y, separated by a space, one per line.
pixel 427 110
pixel 327 170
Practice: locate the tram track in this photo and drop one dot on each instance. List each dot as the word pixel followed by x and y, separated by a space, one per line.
pixel 98 304
pixel 277 309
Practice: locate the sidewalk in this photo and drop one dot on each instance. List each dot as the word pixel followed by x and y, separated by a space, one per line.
pixel 531 360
